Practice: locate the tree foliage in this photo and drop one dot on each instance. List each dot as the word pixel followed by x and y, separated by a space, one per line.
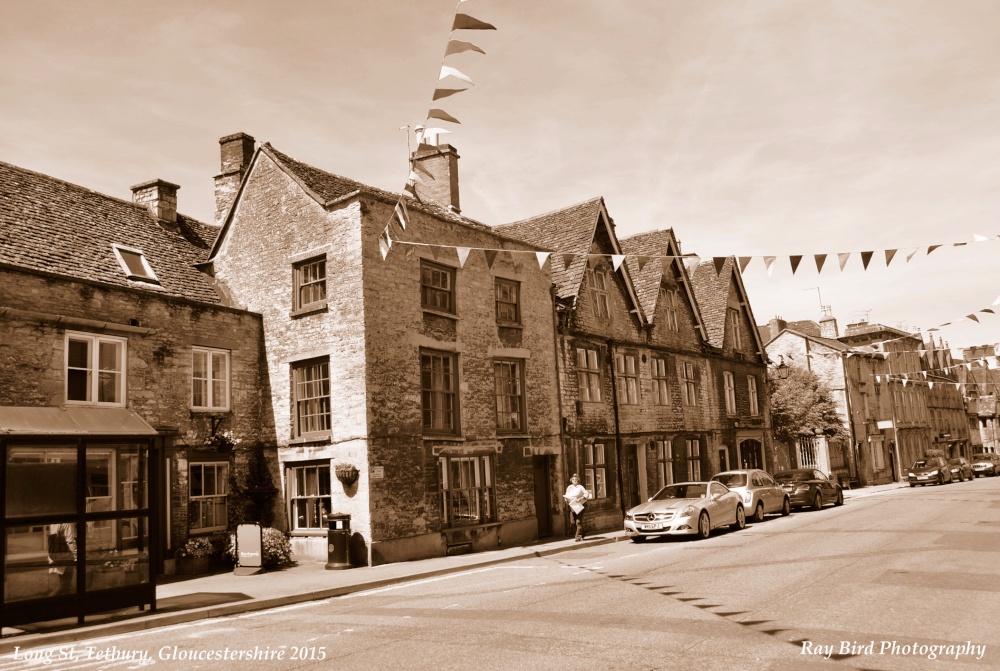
pixel 803 405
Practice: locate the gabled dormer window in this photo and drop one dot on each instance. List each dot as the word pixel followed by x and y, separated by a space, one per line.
pixel 135 265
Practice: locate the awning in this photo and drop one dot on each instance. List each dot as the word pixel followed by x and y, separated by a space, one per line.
pixel 72 421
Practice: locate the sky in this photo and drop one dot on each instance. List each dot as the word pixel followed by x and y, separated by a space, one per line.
pixel 751 127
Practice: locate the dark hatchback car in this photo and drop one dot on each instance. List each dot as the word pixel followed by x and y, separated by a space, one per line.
pixel 929 471
pixel 961 469
pixel 809 488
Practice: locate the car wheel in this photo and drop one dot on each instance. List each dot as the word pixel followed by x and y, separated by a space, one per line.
pixel 818 501
pixel 940 479
pixel 741 517
pixel 758 513
pixel 786 507
pixel 704 526
pixel 913 484
pixel 840 498
pixel 638 539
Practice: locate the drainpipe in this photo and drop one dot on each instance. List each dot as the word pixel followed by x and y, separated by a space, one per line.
pixel 557 352
pixel 618 437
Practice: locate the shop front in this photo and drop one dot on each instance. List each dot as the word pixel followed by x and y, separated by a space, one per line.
pixel 77 528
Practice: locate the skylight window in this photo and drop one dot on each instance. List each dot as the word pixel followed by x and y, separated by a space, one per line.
pixel 134 264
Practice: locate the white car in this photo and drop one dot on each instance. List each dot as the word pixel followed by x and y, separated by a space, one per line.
pixel 687 508
pixel 761 494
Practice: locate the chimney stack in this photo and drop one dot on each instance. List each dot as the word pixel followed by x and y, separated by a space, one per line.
pixel 437 175
pixel 828 327
pixel 237 151
pixel 161 199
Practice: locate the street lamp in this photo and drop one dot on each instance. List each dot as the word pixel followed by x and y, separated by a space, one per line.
pixel 779 372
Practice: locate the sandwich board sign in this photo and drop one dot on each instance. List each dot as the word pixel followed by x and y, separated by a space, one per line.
pixel 249 550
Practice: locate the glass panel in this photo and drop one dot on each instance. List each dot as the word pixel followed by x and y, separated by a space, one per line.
pixel 99 478
pixel 117 553
pixel 197 480
pixel 40 561
pixel 41 480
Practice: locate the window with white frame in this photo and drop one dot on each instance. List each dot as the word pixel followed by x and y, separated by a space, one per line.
pixel 311 398
pixel 309 279
pixel 209 379
pixel 599 292
pixel 671 302
pixel 689 390
pixel 664 462
pixel 730 388
pixel 95 369
pixel 588 374
pixel 734 328
pixel 693 459
pixel 659 370
pixel 595 477
pixel 627 374
pixel 468 495
pixel 209 487
pixel 752 395
pixel 308 487
pixel 508 378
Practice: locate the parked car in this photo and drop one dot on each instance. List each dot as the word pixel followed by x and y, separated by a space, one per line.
pixel 810 488
pixel 761 494
pixel 961 469
pixel 931 470
pixel 985 463
pixel 686 508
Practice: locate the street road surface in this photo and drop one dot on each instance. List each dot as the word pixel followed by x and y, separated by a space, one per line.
pixel 883 582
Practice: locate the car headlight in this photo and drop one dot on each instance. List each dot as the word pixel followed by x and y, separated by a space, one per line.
pixel 934 472
pixel 689 511
pixel 628 516
pixel 910 474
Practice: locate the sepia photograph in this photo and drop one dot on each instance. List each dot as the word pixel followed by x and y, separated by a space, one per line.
pixel 500 334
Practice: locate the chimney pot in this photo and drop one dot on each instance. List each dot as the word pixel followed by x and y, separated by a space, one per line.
pixel 236 152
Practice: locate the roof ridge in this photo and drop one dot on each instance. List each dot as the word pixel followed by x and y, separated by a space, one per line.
pixel 551 212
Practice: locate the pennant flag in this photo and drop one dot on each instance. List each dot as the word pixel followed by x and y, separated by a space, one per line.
pixel 567 259
pixel 794 261
pixel 491 255
pixel 932 248
pixel 889 253
pixel 463 254
pixel 930 384
pixel 866 258
pixel 996 302
pixel 690 261
pixel 910 255
pixel 957 244
pixel 878 379
pixel 458 46
pixel 410 189
pixel 401 214
pixel 383 245
pixel 979 238
pixel 447 71
pixel 973 318
pixel 616 260
pixel 542 258
pixel 924 374
pixel 904 381
pixel 989 310
pixel 444 93
pixel 719 262
pixel 744 262
pixel 434 251
pixel 419 166
pixel 436 113
pixel 820 260
pixel 466 22
pixel 431 132
pixel 642 261
pixel 843 259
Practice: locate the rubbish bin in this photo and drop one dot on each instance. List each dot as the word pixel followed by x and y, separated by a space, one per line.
pixel 338 538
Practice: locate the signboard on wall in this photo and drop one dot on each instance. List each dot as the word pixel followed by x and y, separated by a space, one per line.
pixel 377 472
pixel 884 424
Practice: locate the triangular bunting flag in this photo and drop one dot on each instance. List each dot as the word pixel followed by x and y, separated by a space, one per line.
pixel 973 318
pixel 910 255
pixel 491 255
pixel 410 188
pixel 794 261
pixel 957 244
pixel 989 310
pixel 924 373
pixel 691 262
pixel 616 260
pixel 905 381
pixel 878 379
pixel 820 260
pixel 996 302
pixel 436 113
pixel 447 71
pixel 458 46
pixel 889 253
pixel 769 264
pixel 542 258
pixel 567 259
pixel 719 262
pixel 466 22
pixel 842 258
pixel 444 93
pixel 434 251
pixel 866 258
pixel 642 261
pixel 431 133
pixel 401 214
pixel 979 238
pixel 463 254
pixel 383 246
pixel 932 248
pixel 744 262
pixel 930 384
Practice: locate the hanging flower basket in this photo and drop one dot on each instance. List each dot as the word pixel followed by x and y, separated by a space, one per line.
pixel 347 474
pixel 223 442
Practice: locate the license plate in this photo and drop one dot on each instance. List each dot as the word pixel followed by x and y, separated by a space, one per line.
pixel 649 527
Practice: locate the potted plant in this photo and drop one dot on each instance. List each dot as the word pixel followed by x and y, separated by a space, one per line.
pixel 223 441
pixel 195 556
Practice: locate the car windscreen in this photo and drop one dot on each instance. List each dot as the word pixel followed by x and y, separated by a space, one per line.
pixel 957 461
pixel 731 479
pixel 793 477
pixel 695 491
pixel 981 457
pixel 919 464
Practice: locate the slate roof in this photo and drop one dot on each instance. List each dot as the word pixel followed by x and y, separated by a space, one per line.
pixel 50 225
pixel 826 342
pixel 711 289
pixel 647 281
pixel 570 230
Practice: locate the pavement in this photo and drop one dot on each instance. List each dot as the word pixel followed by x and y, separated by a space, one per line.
pixel 182 599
